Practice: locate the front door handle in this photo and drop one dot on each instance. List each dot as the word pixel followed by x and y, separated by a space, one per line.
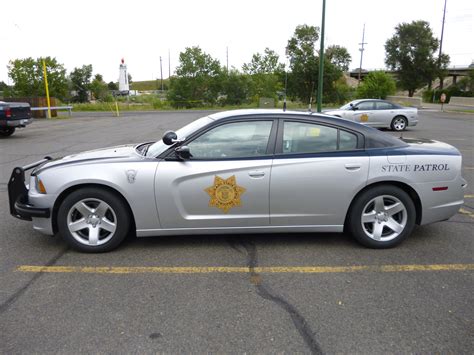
pixel 353 167
pixel 256 173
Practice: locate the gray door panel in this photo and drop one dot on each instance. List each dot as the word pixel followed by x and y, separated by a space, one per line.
pixel 184 191
pixel 315 191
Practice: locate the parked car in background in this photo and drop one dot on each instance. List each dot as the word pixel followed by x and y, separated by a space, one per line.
pixel 12 116
pixel 378 113
pixel 245 171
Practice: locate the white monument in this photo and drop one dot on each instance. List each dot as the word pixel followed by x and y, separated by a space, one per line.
pixel 124 86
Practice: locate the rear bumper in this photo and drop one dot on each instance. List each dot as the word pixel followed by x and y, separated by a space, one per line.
pixel 442 205
pixel 16 122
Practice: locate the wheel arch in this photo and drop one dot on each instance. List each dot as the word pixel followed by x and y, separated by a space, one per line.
pixel 397 116
pixel 66 192
pixel 403 186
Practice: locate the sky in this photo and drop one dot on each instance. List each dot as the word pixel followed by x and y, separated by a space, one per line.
pixel 101 32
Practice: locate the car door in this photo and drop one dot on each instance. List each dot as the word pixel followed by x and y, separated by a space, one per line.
pixel 316 172
pixel 225 184
pixel 364 113
pixel 385 113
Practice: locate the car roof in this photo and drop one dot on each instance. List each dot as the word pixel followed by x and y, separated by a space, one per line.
pixel 258 113
pixel 370 133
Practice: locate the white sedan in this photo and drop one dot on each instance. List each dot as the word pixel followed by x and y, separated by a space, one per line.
pixel 378 113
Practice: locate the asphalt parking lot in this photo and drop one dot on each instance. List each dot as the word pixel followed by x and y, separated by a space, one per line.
pixel 268 293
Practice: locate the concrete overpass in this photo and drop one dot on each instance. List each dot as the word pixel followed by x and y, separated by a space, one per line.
pixel 453 71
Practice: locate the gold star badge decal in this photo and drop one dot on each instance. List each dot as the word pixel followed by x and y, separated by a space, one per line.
pixel 225 193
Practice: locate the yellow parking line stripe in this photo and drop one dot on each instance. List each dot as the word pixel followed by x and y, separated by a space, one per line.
pixel 466 212
pixel 237 269
pixel 468 196
pixel 468 168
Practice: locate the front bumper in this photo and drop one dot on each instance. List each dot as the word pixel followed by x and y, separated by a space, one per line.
pixel 16 123
pixel 18 195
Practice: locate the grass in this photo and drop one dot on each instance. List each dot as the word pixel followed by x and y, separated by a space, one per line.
pixel 155 102
pixel 147 85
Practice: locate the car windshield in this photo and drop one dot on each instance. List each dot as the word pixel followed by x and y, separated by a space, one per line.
pixel 346 106
pixel 159 147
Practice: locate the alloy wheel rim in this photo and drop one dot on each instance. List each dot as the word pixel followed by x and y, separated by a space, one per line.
pixel 92 222
pixel 384 218
pixel 399 124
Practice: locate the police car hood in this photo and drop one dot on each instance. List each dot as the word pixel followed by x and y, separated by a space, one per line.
pixel 118 153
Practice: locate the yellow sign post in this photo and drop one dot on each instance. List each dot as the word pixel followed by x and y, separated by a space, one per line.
pixel 46 88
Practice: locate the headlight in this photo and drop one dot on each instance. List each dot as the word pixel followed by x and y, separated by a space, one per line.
pixel 39 185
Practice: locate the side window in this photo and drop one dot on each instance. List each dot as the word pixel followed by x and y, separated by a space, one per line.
pixel 232 140
pixel 365 106
pixel 300 137
pixel 347 141
pixel 380 105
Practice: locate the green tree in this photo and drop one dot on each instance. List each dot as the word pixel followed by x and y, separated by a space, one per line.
pixel 302 80
pixel 339 56
pixel 411 52
pixel 265 73
pixel 99 88
pixel 198 79
pixel 235 88
pixel 112 86
pixel 304 66
pixel 81 80
pixel 27 76
pixel 376 85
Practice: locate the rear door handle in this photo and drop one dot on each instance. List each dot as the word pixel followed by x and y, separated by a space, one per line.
pixel 256 173
pixel 353 167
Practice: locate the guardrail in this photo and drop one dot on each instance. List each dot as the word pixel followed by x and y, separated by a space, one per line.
pixel 68 108
pixel 461 101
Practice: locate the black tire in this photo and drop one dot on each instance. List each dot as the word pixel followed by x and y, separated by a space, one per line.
pixel 366 233
pixel 115 213
pixel 7 131
pixel 399 123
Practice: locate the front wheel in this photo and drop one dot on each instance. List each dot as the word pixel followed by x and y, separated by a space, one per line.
pixel 399 123
pixel 382 217
pixel 7 131
pixel 93 220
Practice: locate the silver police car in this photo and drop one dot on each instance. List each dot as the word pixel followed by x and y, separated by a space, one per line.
pixel 378 113
pixel 245 171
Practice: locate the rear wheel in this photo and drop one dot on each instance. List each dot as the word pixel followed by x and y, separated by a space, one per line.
pixel 382 217
pixel 93 220
pixel 399 123
pixel 7 131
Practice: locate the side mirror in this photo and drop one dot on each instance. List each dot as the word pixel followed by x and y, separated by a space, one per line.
pixel 183 152
pixel 169 138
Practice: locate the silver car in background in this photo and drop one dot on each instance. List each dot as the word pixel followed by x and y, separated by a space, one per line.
pixel 378 113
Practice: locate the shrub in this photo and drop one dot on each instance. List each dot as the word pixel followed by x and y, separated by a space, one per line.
pixel 376 85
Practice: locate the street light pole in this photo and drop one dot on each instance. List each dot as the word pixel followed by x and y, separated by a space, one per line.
pixel 441 46
pixel 321 61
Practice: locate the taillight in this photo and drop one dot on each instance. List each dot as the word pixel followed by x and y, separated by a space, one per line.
pixel 8 112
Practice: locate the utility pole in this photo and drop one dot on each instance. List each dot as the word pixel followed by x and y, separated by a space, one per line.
pixel 321 61
pixel 161 71
pixel 361 49
pixel 169 64
pixel 441 46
